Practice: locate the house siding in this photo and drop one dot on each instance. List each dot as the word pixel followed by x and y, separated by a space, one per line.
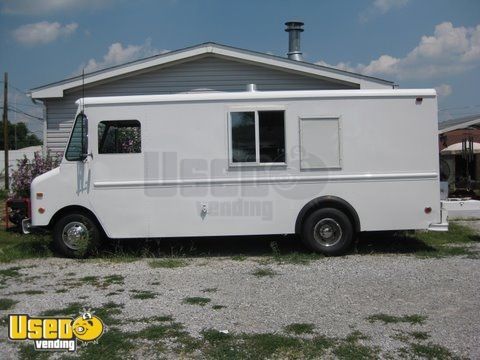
pixel 212 73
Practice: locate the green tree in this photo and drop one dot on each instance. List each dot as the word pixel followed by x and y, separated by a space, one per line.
pixel 18 136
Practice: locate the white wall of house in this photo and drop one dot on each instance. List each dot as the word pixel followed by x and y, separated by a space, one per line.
pixel 13 157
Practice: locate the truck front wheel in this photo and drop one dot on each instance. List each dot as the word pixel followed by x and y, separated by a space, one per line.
pixel 328 231
pixel 76 235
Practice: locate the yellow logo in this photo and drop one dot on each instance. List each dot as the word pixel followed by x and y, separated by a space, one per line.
pixel 55 333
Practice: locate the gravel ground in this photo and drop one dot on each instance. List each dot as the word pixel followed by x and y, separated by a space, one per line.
pixel 335 294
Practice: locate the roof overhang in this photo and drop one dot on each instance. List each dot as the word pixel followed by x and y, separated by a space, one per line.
pixel 468 122
pixel 57 89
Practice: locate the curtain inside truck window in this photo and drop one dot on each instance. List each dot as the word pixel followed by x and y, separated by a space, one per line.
pixel 119 137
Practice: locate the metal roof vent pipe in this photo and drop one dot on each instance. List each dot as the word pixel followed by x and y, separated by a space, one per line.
pixel 251 87
pixel 294 28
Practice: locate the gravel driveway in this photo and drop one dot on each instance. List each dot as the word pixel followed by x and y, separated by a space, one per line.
pixel 252 295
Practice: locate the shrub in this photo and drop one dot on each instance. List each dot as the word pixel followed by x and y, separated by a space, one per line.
pixel 27 170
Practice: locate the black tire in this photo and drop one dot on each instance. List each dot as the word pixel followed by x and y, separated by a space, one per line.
pixel 328 231
pixel 85 235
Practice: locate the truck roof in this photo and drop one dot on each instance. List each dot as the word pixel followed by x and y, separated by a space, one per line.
pixel 255 95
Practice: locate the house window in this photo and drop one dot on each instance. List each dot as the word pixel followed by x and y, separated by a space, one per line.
pixel 119 137
pixel 257 137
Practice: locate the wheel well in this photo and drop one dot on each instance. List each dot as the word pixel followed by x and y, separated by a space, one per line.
pixel 324 202
pixel 74 209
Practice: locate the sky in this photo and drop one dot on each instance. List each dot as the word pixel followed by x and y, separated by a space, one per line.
pixel 415 43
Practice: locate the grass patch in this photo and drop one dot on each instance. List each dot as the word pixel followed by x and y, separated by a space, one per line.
pixel 11 272
pixel 218 307
pixel 351 348
pixel 297 258
pixel 264 345
pixel 142 294
pixel 113 345
pixel 107 311
pixel 150 319
pixel 239 257
pixel 215 336
pixel 196 300
pixel 29 292
pixel 15 246
pixel 262 272
pixel 353 351
pixel 113 280
pixel 391 319
pixel 89 280
pixel 96 281
pixel 219 345
pixel 172 333
pixel 70 310
pixel 210 290
pixel 160 331
pixel 292 257
pixel 169 263
pixel 430 351
pixel 419 335
pixel 299 328
pixel 7 304
pixel 28 352
pixel 457 241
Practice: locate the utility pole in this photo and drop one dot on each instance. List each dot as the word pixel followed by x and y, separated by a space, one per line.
pixel 5 128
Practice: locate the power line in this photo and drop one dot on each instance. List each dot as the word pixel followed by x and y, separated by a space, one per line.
pixel 16 88
pixel 18 111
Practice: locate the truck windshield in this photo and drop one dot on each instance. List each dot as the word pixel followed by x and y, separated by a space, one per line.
pixel 77 145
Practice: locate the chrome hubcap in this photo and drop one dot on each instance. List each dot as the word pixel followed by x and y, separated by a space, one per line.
pixel 327 232
pixel 75 235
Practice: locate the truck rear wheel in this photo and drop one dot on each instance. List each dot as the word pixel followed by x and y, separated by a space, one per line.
pixel 76 235
pixel 328 231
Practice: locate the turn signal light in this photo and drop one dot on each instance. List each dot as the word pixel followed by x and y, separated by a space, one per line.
pixel 39 195
pixel 41 210
pixel 428 210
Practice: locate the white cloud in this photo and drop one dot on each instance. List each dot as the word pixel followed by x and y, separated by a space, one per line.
pixel 386 5
pixel 444 90
pixel 43 32
pixel 450 50
pixel 380 7
pixel 118 54
pixel 41 7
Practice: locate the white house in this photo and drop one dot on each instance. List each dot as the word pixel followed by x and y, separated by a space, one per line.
pixel 204 67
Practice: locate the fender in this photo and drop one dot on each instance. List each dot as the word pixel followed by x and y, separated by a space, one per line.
pixel 327 201
pixel 76 209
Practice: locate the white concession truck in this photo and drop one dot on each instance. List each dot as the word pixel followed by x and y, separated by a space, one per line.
pixel 323 164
